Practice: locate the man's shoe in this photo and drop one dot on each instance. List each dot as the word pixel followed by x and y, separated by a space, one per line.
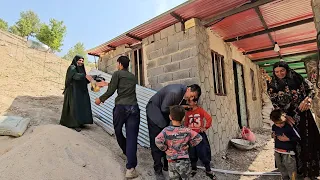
pixel 131 173
pixel 211 175
pixel 165 168
pixel 159 175
pixel 77 129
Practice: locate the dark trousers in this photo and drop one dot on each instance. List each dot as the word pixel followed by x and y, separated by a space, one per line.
pixel 202 151
pixel 130 116
pixel 156 153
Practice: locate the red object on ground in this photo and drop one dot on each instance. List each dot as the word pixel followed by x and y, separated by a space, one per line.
pixel 247 134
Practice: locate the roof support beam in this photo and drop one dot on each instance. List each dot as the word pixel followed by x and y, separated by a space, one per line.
pixel 180 19
pixel 253 4
pixel 278 28
pixel 133 37
pixel 265 27
pixel 287 55
pixel 283 46
pixel 112 47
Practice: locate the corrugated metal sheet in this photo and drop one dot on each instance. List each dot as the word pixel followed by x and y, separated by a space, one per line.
pixel 204 9
pixel 262 55
pixel 295 34
pixel 239 24
pixel 286 11
pixel 254 43
pixel 104 111
pixel 298 49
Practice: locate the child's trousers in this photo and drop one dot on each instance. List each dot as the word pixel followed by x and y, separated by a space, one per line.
pixel 202 151
pixel 286 164
pixel 179 169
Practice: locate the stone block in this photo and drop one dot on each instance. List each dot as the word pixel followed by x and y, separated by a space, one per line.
pixel 178 27
pixel 190 23
pixel 157 86
pixel 194 51
pixel 188 43
pixel 176 37
pixel 155 71
pixel 145 41
pixel 161 44
pixel 172 48
pixel 167 32
pixel 194 72
pixel 190 81
pixel 164 60
pixel 151 39
pixel 153 80
pixel 152 64
pixel 181 55
pixel 165 78
pixel 157 36
pixel 181 74
pixel 188 63
pixel 155 54
pixel 171 67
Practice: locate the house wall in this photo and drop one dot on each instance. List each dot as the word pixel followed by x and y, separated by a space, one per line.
pixel 176 56
pixel 223 109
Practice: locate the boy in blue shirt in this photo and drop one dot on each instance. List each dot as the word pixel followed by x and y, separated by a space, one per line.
pixel 285 143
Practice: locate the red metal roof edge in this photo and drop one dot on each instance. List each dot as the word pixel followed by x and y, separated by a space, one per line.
pixel 90 51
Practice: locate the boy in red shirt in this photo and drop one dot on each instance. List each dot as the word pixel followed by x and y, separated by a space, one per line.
pixel 199 121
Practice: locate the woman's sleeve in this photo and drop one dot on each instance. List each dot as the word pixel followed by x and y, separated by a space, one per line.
pixel 309 89
pixel 273 96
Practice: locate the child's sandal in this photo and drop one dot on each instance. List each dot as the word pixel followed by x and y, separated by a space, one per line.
pixel 211 175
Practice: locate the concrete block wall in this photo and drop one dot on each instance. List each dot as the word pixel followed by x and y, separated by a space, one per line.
pixel 108 62
pixel 171 57
pixel 223 108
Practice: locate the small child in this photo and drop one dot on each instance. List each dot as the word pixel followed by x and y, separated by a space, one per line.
pixel 285 143
pixel 174 140
pixel 199 120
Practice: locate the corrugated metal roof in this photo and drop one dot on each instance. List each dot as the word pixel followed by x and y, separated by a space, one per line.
pixel 202 9
pixel 258 42
pixel 239 24
pixel 286 11
pixel 276 13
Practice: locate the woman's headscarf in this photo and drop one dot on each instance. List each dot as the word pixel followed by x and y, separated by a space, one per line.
pixel 80 69
pixel 292 79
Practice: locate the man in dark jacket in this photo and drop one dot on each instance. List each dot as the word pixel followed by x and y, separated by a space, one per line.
pixel 158 115
pixel 126 111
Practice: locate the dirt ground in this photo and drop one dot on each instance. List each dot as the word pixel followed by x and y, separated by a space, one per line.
pixel 31 84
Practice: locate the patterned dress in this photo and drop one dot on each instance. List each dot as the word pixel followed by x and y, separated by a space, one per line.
pixel 287 94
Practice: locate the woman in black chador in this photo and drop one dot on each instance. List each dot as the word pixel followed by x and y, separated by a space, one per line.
pixel 76 110
pixel 293 94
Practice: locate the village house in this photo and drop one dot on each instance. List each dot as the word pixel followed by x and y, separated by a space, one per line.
pixel 222 46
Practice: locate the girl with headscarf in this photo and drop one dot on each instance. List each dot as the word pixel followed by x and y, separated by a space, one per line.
pixel 76 110
pixel 293 94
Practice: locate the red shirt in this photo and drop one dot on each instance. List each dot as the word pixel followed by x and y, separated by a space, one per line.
pixel 198 118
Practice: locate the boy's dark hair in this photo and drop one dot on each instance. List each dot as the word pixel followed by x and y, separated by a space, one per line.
pixel 195 88
pixel 275 115
pixel 124 61
pixel 177 113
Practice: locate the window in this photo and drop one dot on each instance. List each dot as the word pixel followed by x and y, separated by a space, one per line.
pixel 253 83
pixel 218 74
pixel 136 65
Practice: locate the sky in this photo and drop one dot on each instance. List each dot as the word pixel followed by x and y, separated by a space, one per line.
pixel 91 22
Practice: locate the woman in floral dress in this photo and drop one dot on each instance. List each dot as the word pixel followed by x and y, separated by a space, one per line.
pixel 293 94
